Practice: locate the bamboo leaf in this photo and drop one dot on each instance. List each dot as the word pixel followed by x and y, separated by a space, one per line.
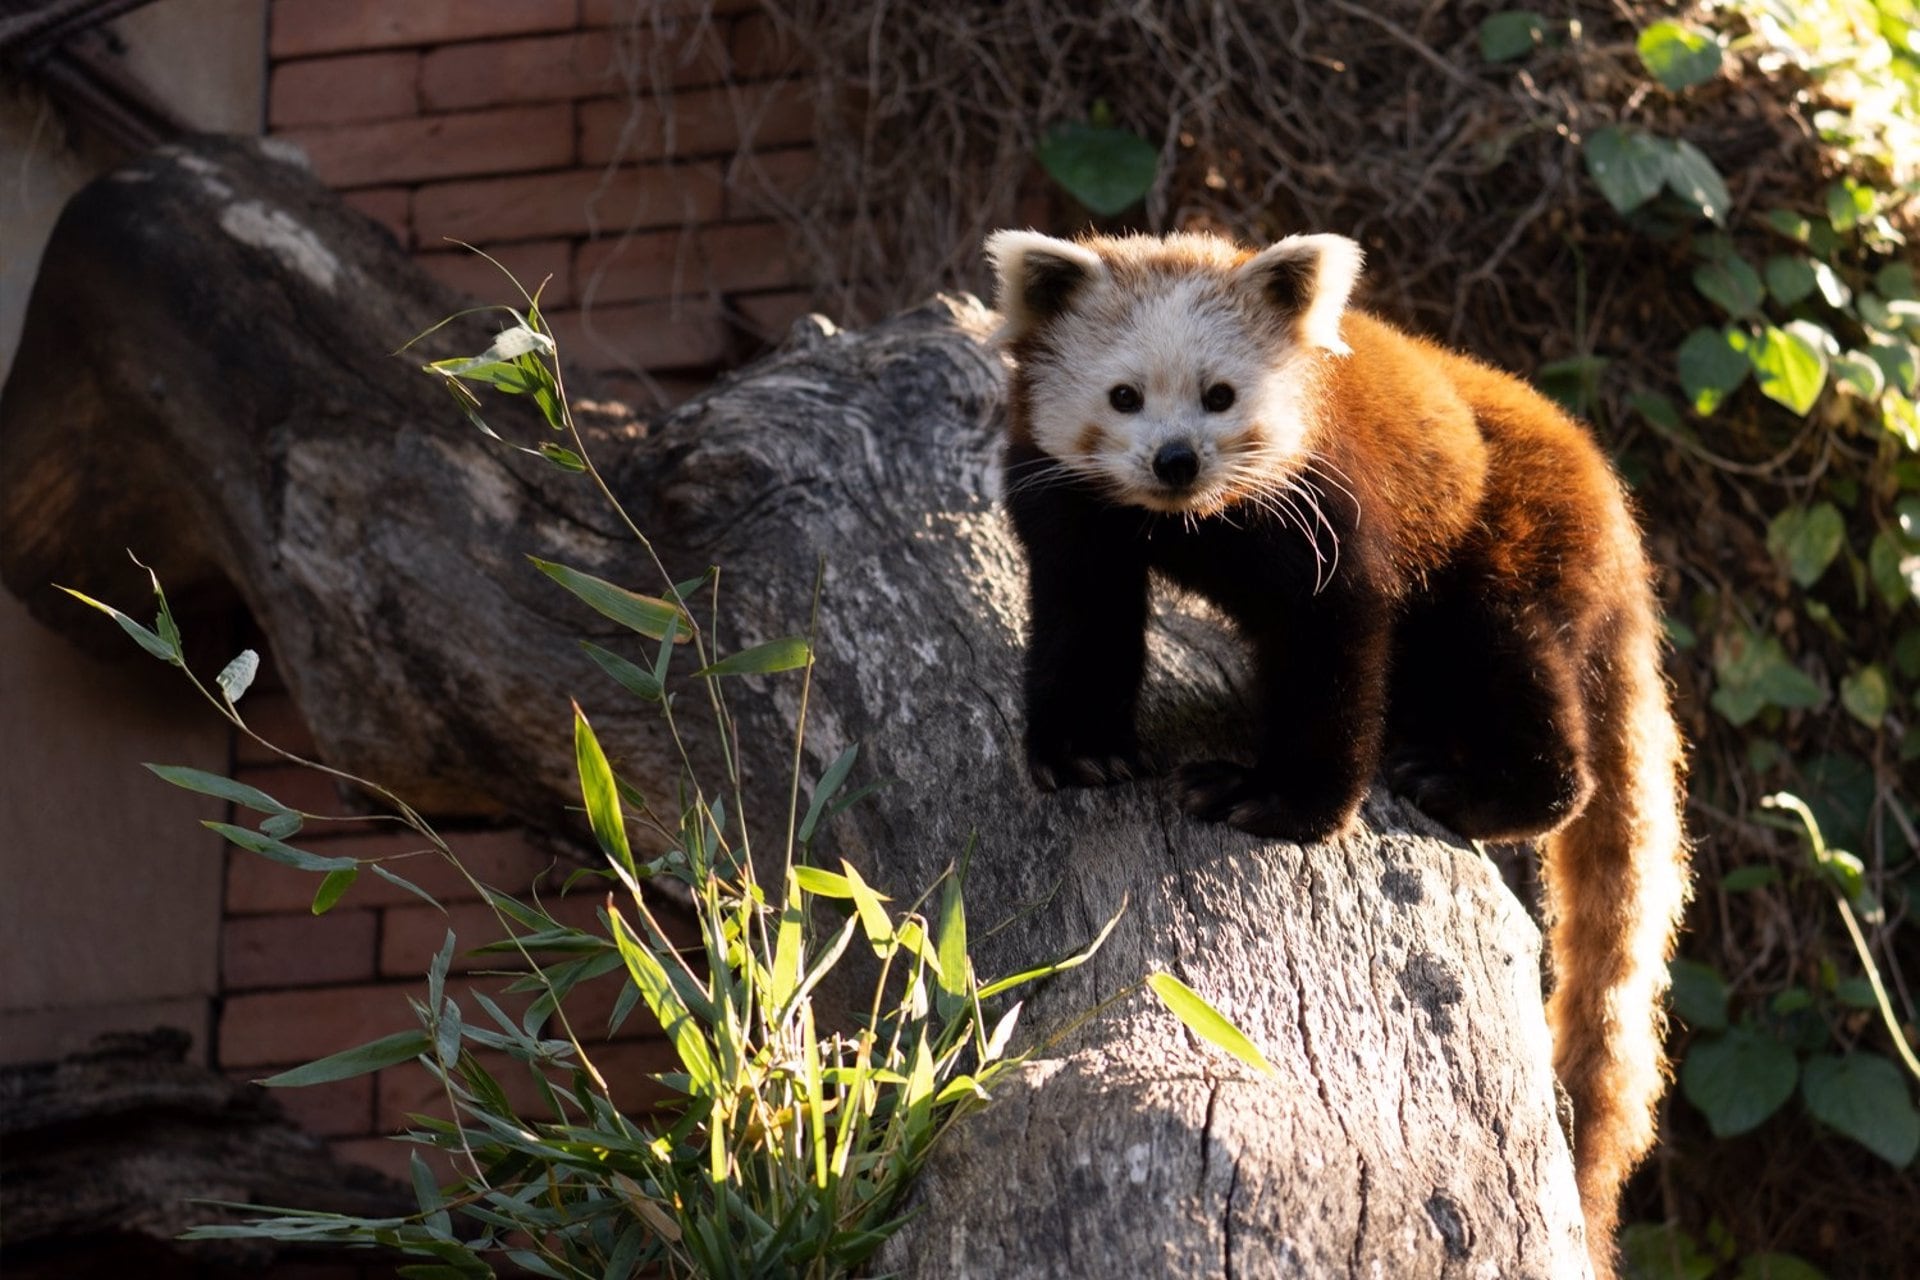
pixel 1207 1022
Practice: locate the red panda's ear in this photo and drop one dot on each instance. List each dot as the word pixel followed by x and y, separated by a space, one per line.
pixel 1037 277
pixel 1308 280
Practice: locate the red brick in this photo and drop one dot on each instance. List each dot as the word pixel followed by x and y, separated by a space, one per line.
pixel 410 936
pixel 761 50
pixel 578 64
pixel 339 1108
pixel 643 335
pixel 324 26
pixel 280 1028
pixel 574 203
pixel 530 264
pixel 365 86
pixel 408 1090
pixel 276 1029
pixel 505 860
pixel 391 1157
pixel 298 787
pixel 503 140
pixel 667 264
pixel 701 122
pixel 298 950
pixel 275 717
pixel 763 184
pixel 391 207
pixel 627 1066
pixel 768 316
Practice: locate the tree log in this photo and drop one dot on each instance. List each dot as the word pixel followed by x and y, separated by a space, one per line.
pixel 113 1152
pixel 205 377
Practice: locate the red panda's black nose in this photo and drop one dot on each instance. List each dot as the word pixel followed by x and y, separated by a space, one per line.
pixel 1176 464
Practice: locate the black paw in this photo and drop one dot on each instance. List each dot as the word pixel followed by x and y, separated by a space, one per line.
pixel 1075 765
pixel 1436 788
pixel 1220 791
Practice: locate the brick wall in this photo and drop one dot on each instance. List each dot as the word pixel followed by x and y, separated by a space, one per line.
pixel 509 124
pixel 296 986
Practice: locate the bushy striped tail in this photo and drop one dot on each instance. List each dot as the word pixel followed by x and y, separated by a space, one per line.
pixel 1617 882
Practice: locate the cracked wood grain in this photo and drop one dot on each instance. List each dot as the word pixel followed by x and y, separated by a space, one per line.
pixel 1390 977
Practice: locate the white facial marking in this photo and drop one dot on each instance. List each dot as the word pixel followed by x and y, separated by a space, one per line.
pixel 1171 344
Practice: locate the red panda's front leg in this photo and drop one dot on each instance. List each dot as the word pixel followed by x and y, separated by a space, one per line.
pixel 1086 633
pixel 1321 683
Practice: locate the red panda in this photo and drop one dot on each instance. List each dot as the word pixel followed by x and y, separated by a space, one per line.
pixel 1434 568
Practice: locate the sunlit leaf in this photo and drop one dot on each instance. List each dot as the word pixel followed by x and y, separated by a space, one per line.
pixel 783 654
pixel 1679 57
pixel 1790 365
pixel 648 615
pixel 1711 367
pixel 1692 177
pixel 597 790
pixel 332 887
pixel 1207 1022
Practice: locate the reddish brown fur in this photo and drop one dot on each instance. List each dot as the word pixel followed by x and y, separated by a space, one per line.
pixel 1459 469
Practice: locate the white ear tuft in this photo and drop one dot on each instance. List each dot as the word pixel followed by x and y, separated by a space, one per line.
pixel 1308 279
pixel 1036 277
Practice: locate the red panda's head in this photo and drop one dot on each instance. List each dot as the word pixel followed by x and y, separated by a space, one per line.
pixel 1177 373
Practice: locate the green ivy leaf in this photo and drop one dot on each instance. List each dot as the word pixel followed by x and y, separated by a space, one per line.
pixel 1865 694
pixel 1106 168
pixel 1692 177
pixel 1859 374
pixel 1848 204
pixel 1506 36
pixel 1789 224
pixel 1738 1079
pixel 1791 365
pixel 1679 57
pixel 1712 366
pixel 1895 280
pixel 1804 541
pixel 1699 995
pixel 1899 360
pixel 1893 568
pixel 1789 278
pixel 1628 165
pixel 1662 1251
pixel 1752 672
pixel 1864 1096
pixel 1731 284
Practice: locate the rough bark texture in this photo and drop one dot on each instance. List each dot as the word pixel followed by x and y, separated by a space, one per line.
pixel 220 398
pixel 113 1152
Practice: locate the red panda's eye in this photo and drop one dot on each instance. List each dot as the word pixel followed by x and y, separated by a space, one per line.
pixel 1125 398
pixel 1218 398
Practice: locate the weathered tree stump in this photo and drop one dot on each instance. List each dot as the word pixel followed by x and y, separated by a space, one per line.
pixel 205 378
